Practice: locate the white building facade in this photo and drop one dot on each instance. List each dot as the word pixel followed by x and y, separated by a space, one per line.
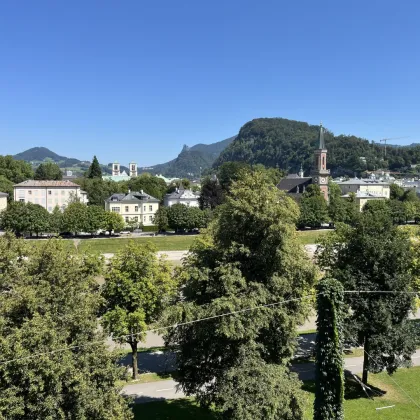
pixel 181 196
pixel 49 194
pixel 134 206
pixel 3 201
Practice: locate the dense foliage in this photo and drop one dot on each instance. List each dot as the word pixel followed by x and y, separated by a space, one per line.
pixel 313 208
pixel 288 144
pixel 15 170
pixel 49 301
pixel 181 218
pixel 249 258
pixel 329 373
pixel 375 255
pixel 48 171
pixel 152 185
pixel 94 170
pixel 138 286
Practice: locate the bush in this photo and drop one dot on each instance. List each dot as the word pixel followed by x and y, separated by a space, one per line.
pixel 152 228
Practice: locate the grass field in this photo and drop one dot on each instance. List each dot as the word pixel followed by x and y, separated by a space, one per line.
pixel 306 237
pixel 357 406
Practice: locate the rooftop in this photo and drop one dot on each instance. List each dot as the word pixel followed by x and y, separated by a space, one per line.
pixel 132 196
pixel 2 194
pixel 357 181
pixel 182 193
pixel 48 183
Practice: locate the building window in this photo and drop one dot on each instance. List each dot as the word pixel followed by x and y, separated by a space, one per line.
pixel 115 167
pixel 22 200
pixel 136 218
pixel 133 167
pixel 127 219
pixel 150 218
pixel 144 218
pixel 30 192
pixel 115 209
pixel 126 209
pixel 150 208
pixel 136 208
pixel 49 192
pixel 144 208
pixel 49 208
pixel 62 192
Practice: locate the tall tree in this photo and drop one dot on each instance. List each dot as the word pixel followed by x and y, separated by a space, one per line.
pixel 48 170
pixel 249 257
pixel 75 217
pixel 375 256
pixel 60 368
pixel 211 194
pixel 178 218
pixel 329 374
pixel 313 208
pixel 114 222
pixel 161 219
pixel 94 170
pixel 95 219
pixel 138 286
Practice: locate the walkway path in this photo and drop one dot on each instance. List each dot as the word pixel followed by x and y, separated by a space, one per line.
pixel 163 390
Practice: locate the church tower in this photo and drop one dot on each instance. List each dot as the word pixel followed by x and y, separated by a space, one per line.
pixel 133 169
pixel 320 173
pixel 115 169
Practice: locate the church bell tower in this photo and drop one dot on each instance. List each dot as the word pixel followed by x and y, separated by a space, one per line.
pixel 320 173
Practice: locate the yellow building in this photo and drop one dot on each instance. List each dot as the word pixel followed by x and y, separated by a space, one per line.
pixel 3 201
pixel 134 206
pixel 365 190
pixel 49 194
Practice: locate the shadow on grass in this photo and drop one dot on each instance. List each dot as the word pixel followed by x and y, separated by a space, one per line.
pixel 185 409
pixel 353 388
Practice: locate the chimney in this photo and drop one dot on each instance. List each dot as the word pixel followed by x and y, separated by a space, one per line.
pixel 142 192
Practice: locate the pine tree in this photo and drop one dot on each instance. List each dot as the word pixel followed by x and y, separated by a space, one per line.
pixel 329 392
pixel 94 170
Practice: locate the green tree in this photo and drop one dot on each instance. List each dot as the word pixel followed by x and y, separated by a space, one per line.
pixel 230 172
pixel 178 218
pixel 211 194
pixel 197 218
pixel 161 219
pixel 48 170
pixel 329 374
pixel 6 186
pixel 396 192
pixel 99 190
pixel 60 368
pixel 132 224
pixel 95 219
pixel 375 256
pixel 94 170
pixel 56 220
pixel 15 170
pixel 15 218
pixel 249 257
pixel 398 211
pixel 39 219
pixel 313 208
pixel 114 222
pixel 258 390
pixel 152 185
pixel 138 286
pixel 337 208
pixel 75 217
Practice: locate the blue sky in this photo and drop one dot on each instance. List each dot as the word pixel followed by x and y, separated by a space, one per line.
pixel 137 80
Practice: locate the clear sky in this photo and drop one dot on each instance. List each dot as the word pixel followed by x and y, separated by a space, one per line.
pixel 138 79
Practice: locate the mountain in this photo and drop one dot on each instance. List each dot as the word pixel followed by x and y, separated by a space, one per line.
pixel 37 155
pixel 192 161
pixel 278 142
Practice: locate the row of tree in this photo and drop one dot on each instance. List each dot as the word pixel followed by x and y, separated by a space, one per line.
pixel 28 218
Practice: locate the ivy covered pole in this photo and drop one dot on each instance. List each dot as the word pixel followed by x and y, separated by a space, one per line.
pixel 329 374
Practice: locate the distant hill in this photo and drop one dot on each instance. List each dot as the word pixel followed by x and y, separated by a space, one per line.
pixel 278 142
pixel 192 161
pixel 37 155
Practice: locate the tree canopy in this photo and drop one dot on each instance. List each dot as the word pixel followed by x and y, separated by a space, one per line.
pixel 94 170
pixel 248 258
pixel 48 171
pixel 49 301
pixel 15 170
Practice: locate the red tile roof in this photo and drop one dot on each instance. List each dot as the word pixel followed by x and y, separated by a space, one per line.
pixel 35 183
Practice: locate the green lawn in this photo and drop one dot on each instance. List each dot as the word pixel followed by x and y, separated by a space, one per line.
pixel 306 237
pixel 357 406
pixel 162 243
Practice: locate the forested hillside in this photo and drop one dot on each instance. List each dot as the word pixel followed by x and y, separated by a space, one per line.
pixel 288 144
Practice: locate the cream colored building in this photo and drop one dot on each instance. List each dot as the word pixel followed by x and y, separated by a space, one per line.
pixel 181 196
pixel 365 190
pixel 49 194
pixel 3 201
pixel 134 206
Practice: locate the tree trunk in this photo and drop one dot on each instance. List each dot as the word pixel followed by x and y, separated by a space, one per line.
pixel 134 359
pixel 365 361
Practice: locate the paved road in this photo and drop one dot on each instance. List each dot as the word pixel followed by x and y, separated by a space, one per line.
pixel 162 390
